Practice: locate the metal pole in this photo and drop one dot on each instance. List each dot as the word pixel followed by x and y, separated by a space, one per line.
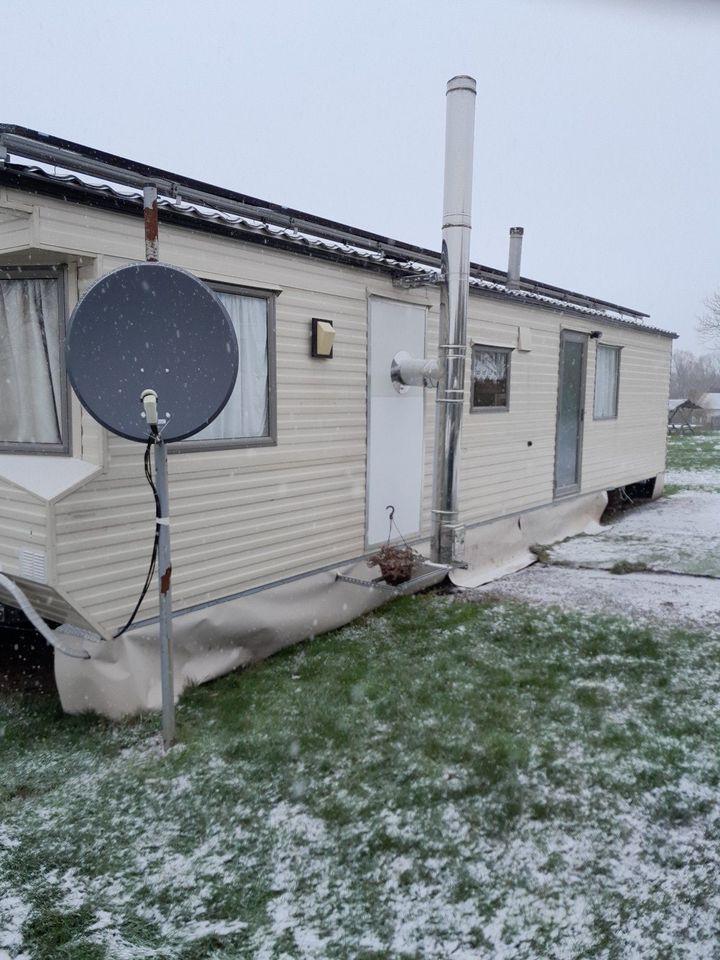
pixel 447 536
pixel 150 212
pixel 514 257
pixel 164 577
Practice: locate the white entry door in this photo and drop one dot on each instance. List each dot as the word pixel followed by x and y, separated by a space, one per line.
pixel 395 421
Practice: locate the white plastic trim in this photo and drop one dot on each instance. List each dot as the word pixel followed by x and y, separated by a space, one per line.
pixel 36 620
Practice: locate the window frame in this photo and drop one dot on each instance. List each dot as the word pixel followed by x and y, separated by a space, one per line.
pixel 57 273
pixel 618 350
pixel 191 445
pixel 490 348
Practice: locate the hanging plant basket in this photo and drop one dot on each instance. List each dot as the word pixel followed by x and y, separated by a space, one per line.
pixel 396 563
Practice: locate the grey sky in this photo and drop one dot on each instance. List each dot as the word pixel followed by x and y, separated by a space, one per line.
pixel 598 121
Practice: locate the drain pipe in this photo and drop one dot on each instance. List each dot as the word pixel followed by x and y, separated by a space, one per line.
pixel 448 537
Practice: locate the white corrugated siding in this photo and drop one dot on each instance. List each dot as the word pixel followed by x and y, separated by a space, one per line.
pixel 240 517
pixel 246 517
pixel 23 525
pixel 15 228
pixel 508 458
pixel 631 447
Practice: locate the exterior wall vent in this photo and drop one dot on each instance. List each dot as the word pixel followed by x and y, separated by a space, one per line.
pixel 32 565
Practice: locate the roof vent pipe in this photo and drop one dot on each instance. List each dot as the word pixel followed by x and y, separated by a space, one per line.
pixel 447 535
pixel 514 257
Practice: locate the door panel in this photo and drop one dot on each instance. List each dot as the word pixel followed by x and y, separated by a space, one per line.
pixel 395 421
pixel 570 412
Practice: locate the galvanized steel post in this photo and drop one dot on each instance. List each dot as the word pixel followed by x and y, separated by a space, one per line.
pixel 448 536
pixel 165 594
pixel 150 210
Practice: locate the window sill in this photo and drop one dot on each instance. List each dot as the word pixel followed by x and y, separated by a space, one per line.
pixel 45 476
pixel 200 446
pixel 489 409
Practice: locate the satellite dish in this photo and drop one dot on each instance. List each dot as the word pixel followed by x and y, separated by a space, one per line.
pixel 151 326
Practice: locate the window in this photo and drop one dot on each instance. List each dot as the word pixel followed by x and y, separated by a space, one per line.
pixel 33 412
pixel 490 378
pixel 248 419
pixel 607 382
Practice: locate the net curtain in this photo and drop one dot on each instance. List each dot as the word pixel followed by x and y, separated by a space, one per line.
pixel 30 367
pixel 606 380
pixel 246 412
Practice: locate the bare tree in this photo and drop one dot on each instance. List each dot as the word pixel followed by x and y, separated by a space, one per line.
pixel 691 376
pixel 709 323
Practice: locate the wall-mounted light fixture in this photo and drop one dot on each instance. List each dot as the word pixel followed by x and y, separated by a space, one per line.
pixel 323 338
pixel 595 334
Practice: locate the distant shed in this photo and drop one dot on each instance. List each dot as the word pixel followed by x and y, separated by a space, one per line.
pixel 709 403
pixel 682 415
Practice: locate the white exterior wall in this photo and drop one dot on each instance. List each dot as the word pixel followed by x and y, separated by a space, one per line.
pixel 246 517
pixel 23 526
pixel 500 473
pixel 631 447
pixel 240 517
pixel 15 228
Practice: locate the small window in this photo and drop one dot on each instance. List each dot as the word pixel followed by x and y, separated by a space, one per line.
pixel 248 418
pixel 490 378
pixel 607 382
pixel 33 412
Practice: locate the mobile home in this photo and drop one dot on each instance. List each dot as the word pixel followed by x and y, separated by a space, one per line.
pixel 276 506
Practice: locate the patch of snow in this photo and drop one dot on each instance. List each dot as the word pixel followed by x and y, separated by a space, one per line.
pixel 648 597
pixel 14 911
pixel 152 746
pixel 72 889
pixel 207 928
pixel 678 533
pixel 7 840
pixel 694 478
pixel 104 919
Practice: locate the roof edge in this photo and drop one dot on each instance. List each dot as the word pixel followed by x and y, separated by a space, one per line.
pixel 22 141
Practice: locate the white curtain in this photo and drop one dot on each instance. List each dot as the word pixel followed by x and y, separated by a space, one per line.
pixel 490 366
pixel 607 366
pixel 30 368
pixel 489 378
pixel 246 413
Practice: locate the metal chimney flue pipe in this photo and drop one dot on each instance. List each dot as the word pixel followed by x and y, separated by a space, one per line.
pixel 514 257
pixel 447 534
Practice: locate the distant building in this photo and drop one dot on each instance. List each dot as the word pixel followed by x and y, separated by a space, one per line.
pixel 710 406
pixel 683 415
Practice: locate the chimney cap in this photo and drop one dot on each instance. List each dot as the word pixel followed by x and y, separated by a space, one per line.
pixel 462 82
pixel 517 231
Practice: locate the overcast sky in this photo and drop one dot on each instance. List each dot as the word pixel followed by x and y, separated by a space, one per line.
pixel 598 121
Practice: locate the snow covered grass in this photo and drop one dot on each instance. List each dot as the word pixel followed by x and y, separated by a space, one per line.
pixel 678 533
pixel 442 779
pixel 693 462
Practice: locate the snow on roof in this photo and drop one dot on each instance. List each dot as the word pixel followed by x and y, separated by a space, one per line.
pixel 402 268
pixel 710 401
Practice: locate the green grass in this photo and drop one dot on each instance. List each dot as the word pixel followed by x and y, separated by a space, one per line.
pixel 621 567
pixel 441 779
pixel 700 451
pixel 693 463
